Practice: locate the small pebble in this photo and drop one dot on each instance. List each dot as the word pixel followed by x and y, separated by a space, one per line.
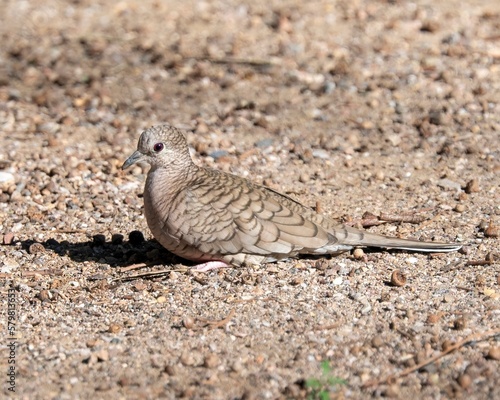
pixel 8 265
pixel 114 328
pixel 264 143
pixel 433 318
pixel 446 344
pixel 393 391
pixel 237 366
pixel 337 281
pixel 430 26
pixel 140 286
pixel 483 225
pixel 358 254
pixel 398 278
pixel 377 342
pixel 170 370
pixel 36 248
pixel 464 381
pixel 304 178
pixel 6 179
pixel 472 186
pixel 45 295
pixel 460 323
pixel 211 361
pixel 449 184
pixel 491 231
pixel 187 359
pixel 8 238
pixel 91 343
pixel 102 355
pixel 465 250
pixel 460 208
pixel 494 353
pixel 173 275
pixel 217 154
pixel 188 322
pixel 448 298
pixel 321 264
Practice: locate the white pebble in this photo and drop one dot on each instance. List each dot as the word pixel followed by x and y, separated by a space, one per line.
pixel 337 281
pixel 6 177
pixel 8 265
pixel 129 186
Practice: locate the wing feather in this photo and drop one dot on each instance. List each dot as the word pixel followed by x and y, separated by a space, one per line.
pixel 245 218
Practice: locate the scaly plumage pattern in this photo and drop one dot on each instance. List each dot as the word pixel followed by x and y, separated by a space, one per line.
pixel 206 215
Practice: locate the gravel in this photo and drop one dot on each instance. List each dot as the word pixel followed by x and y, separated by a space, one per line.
pixel 349 107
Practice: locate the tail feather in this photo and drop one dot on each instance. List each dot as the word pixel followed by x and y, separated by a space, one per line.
pixel 373 240
pixel 356 237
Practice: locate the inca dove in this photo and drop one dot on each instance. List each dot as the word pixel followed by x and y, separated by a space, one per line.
pixel 216 218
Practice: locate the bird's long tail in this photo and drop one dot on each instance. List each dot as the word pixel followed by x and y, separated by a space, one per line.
pixel 349 236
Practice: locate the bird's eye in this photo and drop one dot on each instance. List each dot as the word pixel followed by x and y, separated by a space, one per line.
pixel 158 147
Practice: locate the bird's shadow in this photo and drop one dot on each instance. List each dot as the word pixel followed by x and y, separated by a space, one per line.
pixel 116 253
pixel 119 252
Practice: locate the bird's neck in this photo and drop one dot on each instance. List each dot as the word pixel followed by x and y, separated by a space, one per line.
pixel 171 179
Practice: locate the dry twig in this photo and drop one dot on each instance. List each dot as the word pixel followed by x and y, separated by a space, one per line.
pixel 56 272
pixel 479 262
pixel 217 324
pixel 149 274
pixel 472 338
pixel 132 267
pixel 411 219
pixel 327 327
pixel 240 61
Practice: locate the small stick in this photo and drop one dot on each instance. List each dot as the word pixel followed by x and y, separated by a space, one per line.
pixel 42 272
pixel 412 219
pixel 452 267
pixel 430 221
pixel 149 274
pixel 132 267
pixel 370 219
pixel 229 60
pixel 366 223
pixel 218 324
pixel 479 262
pixel 472 338
pixel 327 327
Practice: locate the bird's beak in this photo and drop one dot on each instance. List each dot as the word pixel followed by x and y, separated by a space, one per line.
pixel 136 156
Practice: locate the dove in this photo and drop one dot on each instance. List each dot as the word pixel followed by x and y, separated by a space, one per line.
pixel 219 220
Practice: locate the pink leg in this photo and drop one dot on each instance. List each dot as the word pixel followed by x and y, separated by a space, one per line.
pixel 205 267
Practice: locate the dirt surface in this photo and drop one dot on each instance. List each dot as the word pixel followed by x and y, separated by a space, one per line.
pixel 350 106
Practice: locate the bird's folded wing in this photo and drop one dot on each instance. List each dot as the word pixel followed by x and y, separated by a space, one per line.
pixel 237 217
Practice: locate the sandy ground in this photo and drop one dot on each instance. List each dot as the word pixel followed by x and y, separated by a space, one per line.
pixel 386 107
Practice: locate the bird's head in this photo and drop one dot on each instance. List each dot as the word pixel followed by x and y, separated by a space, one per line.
pixel 161 146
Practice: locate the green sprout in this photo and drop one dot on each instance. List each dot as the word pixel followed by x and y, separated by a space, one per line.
pixel 320 388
